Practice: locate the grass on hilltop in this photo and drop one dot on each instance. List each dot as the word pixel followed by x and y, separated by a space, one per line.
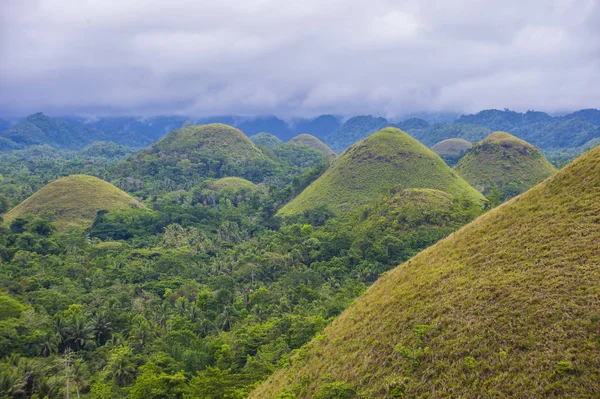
pixel 266 140
pixel 74 200
pixel 313 142
pixel 451 150
pixel 368 170
pixel 505 307
pixel 505 163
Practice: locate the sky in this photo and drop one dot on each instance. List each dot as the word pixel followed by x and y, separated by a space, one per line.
pixel 297 57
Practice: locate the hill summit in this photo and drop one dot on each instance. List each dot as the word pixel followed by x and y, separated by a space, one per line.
pixel 367 171
pixel 313 142
pixel 505 307
pixel 74 200
pixel 504 162
pixel 451 150
pixel 199 151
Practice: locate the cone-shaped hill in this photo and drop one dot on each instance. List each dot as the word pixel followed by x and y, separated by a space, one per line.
pixel 368 170
pixel 199 151
pixel 505 307
pixel 235 189
pixel 74 200
pixel 504 162
pixel 313 142
pixel 451 150
pixel 266 140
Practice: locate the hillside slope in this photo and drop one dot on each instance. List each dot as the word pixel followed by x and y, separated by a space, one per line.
pixel 505 307
pixel 313 142
pixel 451 150
pixel 504 162
pixel 74 200
pixel 372 167
pixel 198 152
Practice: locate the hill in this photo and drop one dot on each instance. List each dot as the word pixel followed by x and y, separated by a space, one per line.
pixel 39 129
pixel 194 153
pixel 74 200
pixel 504 162
pixel 451 150
pixel 313 142
pixel 502 308
pixel 266 140
pixel 372 167
pixel 353 130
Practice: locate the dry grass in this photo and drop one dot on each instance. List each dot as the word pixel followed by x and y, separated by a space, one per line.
pixel 505 162
pixel 368 170
pixel 74 200
pixel 508 306
pixel 313 142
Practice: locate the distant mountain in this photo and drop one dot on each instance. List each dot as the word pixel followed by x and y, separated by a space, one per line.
pixel 353 130
pixel 438 132
pixel 588 115
pixel 319 127
pixel 4 125
pixel 500 309
pixel 386 160
pixel 136 132
pixel 269 124
pixel 39 129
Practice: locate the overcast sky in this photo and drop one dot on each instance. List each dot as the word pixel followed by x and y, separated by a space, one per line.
pixel 297 57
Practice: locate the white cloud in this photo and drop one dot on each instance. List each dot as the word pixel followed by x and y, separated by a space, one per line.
pixel 297 58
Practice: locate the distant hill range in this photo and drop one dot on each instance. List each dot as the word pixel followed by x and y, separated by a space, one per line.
pixel 576 130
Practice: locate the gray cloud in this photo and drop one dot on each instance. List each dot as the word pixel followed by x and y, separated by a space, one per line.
pixel 295 58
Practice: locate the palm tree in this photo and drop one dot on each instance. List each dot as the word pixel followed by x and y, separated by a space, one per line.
pixel 49 343
pixel 101 326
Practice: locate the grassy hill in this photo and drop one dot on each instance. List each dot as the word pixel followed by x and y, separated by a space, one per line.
pixel 74 200
pixel 196 152
pixel 353 130
pixel 313 142
pixel 266 140
pixel 368 170
pixel 451 150
pixel 504 162
pixel 505 307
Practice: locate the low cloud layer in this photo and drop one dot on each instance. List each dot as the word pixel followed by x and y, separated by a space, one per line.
pixel 297 58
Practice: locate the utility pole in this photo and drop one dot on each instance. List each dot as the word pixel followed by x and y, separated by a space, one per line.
pixel 67 362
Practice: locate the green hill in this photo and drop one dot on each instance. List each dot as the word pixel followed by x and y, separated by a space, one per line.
pixel 39 129
pixel 502 308
pixel 197 152
pixel 369 169
pixel 266 140
pixel 235 189
pixel 313 142
pixel 74 200
pixel 504 162
pixel 451 150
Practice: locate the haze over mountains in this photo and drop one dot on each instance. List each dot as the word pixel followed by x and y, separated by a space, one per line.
pixel 550 133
